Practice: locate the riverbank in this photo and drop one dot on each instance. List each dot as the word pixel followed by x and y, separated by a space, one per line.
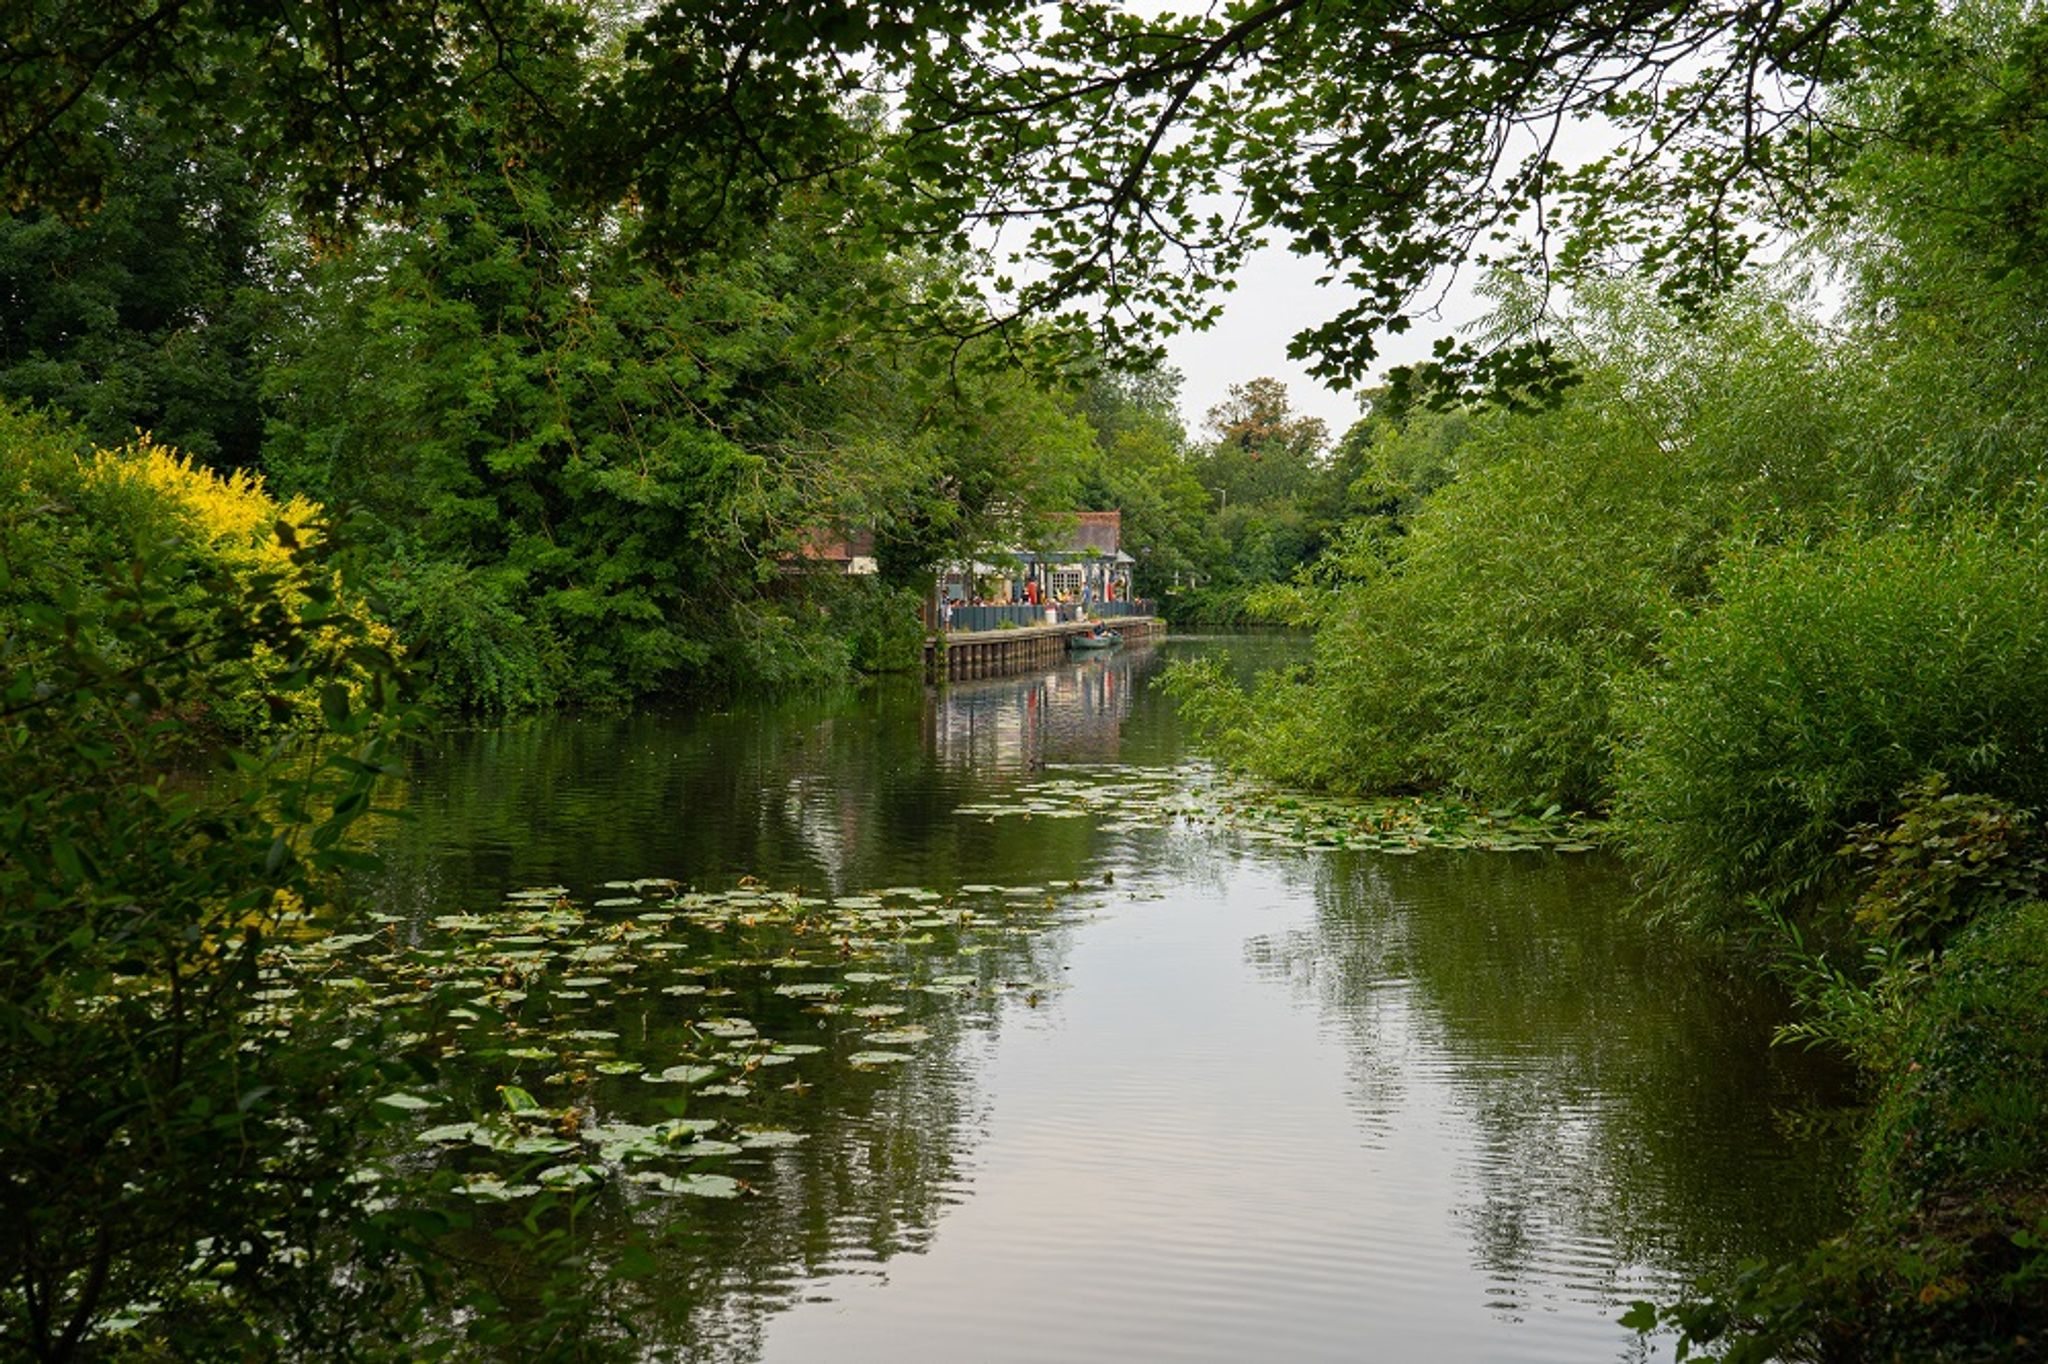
pixel 1946 1258
pixel 1915 949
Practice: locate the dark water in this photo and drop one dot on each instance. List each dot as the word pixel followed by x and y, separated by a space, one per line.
pixel 1252 1103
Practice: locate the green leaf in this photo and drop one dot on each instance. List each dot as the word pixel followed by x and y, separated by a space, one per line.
pixel 517 1100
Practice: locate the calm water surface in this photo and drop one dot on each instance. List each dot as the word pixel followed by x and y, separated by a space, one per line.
pixel 1252 1103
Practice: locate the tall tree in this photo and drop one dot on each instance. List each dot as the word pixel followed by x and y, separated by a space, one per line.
pixel 1142 467
pixel 152 313
pixel 1263 450
pixel 592 466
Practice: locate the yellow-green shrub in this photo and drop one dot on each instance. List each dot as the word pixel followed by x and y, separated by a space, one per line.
pixel 69 514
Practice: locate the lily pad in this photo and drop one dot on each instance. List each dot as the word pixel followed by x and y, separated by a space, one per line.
pixel 898 1037
pixel 569 1176
pixel 534 1146
pixel 694 1186
pixel 813 989
pixel 491 1188
pixel 704 1149
pixel 517 1100
pixel 685 1129
pixel 405 1103
pixel 769 1138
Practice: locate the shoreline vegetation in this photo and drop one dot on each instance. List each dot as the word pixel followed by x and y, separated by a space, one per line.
pixel 502 357
pixel 1778 616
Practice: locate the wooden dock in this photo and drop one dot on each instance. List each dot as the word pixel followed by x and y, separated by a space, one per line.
pixel 997 653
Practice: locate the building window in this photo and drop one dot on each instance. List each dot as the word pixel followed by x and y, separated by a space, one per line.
pixel 1066 580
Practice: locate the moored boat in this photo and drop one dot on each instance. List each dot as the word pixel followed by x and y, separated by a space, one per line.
pixel 1095 639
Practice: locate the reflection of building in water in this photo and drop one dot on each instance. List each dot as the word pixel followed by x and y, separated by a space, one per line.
pixel 817 808
pixel 1073 713
pixel 824 817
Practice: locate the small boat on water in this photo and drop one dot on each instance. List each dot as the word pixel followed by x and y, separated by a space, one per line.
pixel 1097 638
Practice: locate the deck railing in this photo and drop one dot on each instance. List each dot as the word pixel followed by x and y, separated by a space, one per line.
pixel 972 618
pixel 993 617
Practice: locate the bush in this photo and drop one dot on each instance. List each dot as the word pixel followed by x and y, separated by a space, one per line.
pixel 164 1148
pixel 67 512
pixel 1954 1168
pixel 1948 1257
pixel 1945 860
pixel 1824 683
pixel 1478 650
pixel 1210 608
pixel 1943 863
pixel 1961 1126
pixel 881 626
pixel 49 539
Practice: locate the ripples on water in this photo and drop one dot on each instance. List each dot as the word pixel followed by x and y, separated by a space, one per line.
pixel 1287 1106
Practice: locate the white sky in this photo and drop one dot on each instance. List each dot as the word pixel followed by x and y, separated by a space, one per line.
pixel 1277 296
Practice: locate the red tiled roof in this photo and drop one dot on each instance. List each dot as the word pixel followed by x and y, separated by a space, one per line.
pixel 832 546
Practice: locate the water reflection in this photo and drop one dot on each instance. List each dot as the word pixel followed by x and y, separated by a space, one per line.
pixel 856 788
pixel 1073 713
pixel 1626 1120
pixel 1289 1105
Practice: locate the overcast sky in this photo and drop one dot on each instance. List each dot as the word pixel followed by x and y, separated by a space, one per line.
pixel 1276 297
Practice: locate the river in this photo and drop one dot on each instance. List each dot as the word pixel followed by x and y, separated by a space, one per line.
pixel 1160 1088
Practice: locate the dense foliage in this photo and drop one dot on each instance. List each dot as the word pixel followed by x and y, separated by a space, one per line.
pixel 1473 641
pixel 1822 683
pixel 591 474
pixel 604 319
pixel 1212 521
pixel 151 315
pixel 160 1147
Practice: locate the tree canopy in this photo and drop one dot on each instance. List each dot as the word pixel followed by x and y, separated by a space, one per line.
pixel 1122 163
pixel 1143 156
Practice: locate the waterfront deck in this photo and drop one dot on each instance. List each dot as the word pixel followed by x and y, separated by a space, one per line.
pixel 996 653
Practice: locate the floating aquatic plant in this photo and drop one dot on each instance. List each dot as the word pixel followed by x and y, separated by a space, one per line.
pixel 1129 799
pixel 557 1024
